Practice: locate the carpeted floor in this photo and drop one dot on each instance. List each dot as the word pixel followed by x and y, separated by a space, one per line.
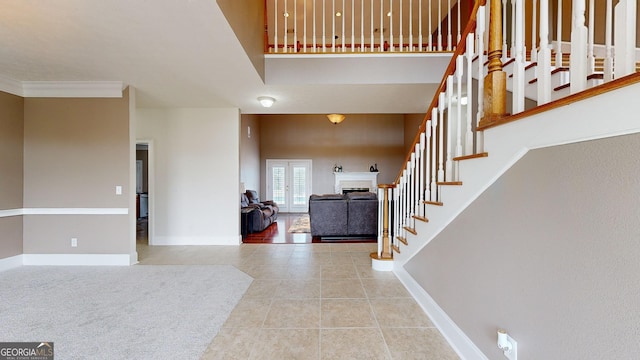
pixel 136 312
pixel 301 225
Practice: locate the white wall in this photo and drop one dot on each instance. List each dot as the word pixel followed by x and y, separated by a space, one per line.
pixel 196 174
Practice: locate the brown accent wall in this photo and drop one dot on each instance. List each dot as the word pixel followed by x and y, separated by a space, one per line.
pixel 550 253
pixel 412 123
pixel 247 21
pixel 357 143
pixel 11 170
pixel 76 151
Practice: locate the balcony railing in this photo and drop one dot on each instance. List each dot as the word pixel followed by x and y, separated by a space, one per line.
pixel 339 26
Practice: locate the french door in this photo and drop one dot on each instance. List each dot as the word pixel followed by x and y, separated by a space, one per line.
pixel 289 184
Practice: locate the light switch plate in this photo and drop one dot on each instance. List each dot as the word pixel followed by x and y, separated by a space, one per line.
pixel 118 190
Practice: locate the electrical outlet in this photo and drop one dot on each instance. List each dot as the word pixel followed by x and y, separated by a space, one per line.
pixel 118 190
pixel 513 353
pixel 74 242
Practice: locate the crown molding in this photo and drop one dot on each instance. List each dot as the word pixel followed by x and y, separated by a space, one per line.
pixel 62 89
pixel 11 86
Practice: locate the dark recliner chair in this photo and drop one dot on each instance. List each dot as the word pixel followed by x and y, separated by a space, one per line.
pixel 257 214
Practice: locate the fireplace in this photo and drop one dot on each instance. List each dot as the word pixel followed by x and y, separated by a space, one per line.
pixel 355 181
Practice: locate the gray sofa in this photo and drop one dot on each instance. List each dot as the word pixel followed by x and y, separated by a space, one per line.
pixel 344 216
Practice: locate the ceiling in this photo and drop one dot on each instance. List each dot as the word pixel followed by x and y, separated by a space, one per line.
pixel 184 54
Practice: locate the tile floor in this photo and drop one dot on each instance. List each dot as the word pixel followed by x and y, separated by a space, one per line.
pixel 313 301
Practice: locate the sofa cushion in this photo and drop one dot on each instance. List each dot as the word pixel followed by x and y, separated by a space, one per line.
pixel 361 196
pixel 316 197
pixel 244 200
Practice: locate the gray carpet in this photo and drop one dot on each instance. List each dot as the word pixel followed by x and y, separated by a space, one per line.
pixel 137 312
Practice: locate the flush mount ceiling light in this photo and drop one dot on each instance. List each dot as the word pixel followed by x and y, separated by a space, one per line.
pixel 335 118
pixel 338 14
pixel 266 101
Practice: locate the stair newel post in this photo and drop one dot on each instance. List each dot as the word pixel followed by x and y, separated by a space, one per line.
pixel 495 83
pixel 384 241
pixel 608 57
pixel 469 131
pixel 578 56
pixel 543 70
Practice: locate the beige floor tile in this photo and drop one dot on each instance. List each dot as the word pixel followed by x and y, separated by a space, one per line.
pixel 366 272
pixel 384 288
pixel 287 344
pixel 293 313
pixel 338 313
pixel 342 288
pixel 399 313
pixel 298 289
pixel 304 271
pixel 248 313
pixel 278 271
pixel 417 344
pixel 352 344
pixel 261 288
pixel 339 271
pixel 232 344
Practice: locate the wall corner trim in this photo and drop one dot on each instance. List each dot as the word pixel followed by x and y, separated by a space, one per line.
pixel 458 340
pixel 77 259
pixel 11 262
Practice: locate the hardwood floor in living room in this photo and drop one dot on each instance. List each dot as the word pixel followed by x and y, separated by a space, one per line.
pixel 278 233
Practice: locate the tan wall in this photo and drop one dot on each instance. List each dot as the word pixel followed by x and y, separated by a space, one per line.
pixel 76 151
pixel 412 123
pixel 356 144
pixel 250 151
pixel 247 21
pixel 550 253
pixel 11 169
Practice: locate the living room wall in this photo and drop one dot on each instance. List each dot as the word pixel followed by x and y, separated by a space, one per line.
pixel 11 168
pixel 76 151
pixel 357 143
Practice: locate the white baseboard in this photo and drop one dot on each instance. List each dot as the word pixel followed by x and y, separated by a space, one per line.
pixel 77 259
pixel 11 262
pixel 196 240
pixel 458 340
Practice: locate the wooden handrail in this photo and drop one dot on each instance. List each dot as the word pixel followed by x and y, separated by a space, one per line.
pixel 451 68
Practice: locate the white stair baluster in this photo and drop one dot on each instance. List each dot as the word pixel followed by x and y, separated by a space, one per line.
pixel 504 31
pixel 427 162
pixel 423 160
pixel 543 69
pixel 559 36
pixel 448 173
pixel 518 67
pixel 430 29
pixel 439 25
pixel 578 56
pixel 459 73
pixel 480 33
pixel 469 128
pixel 625 38
pixel 441 107
pixel 420 25
pixel 449 39
pixel 534 32
pixel 433 165
pixel 591 60
pixel 608 57
pixel 275 26
pixel 286 26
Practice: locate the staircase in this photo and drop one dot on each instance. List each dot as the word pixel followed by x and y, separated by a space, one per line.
pixel 464 144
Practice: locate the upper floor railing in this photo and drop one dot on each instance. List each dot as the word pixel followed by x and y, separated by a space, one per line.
pixel 339 26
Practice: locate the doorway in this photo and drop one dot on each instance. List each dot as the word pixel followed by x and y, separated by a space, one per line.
pixel 289 184
pixel 144 190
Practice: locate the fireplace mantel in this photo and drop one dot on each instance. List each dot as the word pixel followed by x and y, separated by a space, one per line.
pixel 356 180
